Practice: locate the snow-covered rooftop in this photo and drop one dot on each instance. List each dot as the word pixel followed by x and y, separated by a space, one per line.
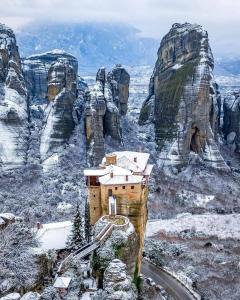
pixel 148 170
pixel 133 161
pixel 120 179
pixel 7 216
pixel 54 235
pixel 129 168
pixel 62 282
pixel 116 170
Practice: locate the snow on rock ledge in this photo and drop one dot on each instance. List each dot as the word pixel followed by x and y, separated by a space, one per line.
pixel 13 103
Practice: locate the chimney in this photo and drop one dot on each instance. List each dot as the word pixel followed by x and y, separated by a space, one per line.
pixel 111 159
pixel 39 225
pixel 135 159
pixel 126 177
pixel 111 174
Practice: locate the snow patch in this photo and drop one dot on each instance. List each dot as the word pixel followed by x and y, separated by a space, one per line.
pixel 222 226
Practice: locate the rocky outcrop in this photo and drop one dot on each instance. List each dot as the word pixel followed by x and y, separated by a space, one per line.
pixel 118 80
pixel 117 284
pixel 183 100
pixel 36 68
pixel 123 244
pixel 58 121
pixel 106 103
pixel 56 102
pixel 231 120
pixel 13 103
pixel 94 113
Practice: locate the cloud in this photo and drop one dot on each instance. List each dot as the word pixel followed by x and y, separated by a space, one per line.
pixel 153 17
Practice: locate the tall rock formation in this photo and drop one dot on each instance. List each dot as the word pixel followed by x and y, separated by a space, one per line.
pixel 59 122
pixel 117 284
pixel 231 120
pixel 13 103
pixel 182 99
pixel 106 104
pixel 36 68
pixel 53 88
pixel 94 113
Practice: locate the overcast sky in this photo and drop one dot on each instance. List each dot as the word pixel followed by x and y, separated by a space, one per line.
pixel 153 17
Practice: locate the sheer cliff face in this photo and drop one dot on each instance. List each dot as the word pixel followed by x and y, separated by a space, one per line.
pixel 58 122
pixel 105 105
pixel 13 103
pixel 51 79
pixel 182 99
pixel 231 120
pixel 36 68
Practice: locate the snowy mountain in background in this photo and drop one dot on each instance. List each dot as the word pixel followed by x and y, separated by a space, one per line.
pixel 227 66
pixel 93 44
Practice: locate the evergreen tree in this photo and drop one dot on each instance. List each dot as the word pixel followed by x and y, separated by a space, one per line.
pixel 88 228
pixel 76 239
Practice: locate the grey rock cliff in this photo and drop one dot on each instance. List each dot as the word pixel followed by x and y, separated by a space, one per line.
pixel 56 101
pixel 36 68
pixel 117 284
pixel 231 120
pixel 106 103
pixel 183 100
pixel 58 120
pixel 118 80
pixel 13 103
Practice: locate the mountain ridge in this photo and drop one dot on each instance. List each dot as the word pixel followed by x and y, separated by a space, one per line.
pixel 94 44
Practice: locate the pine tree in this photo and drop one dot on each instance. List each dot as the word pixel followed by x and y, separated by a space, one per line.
pixel 87 224
pixel 76 239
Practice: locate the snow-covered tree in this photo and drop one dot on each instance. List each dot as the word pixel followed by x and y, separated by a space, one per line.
pixel 87 225
pixel 76 239
pixel 17 261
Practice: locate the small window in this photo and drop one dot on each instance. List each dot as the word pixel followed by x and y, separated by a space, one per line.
pixel 94 196
pixel 123 187
pixel 110 192
pixel 94 208
pixel 116 188
pixel 132 187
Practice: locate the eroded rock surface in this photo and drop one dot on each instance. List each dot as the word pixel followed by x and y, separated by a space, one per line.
pixel 36 68
pixel 117 284
pixel 122 244
pixel 106 103
pixel 13 103
pixel 183 99
pixel 231 120
pixel 59 122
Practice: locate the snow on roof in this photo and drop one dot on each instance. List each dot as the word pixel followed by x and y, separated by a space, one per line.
pixel 125 159
pixel 116 170
pixel 148 170
pixel 54 235
pixel 120 179
pixel 7 216
pixel 62 282
pixel 2 221
pixel 95 172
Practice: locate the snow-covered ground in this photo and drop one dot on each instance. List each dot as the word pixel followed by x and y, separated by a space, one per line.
pixel 222 226
pixel 199 200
